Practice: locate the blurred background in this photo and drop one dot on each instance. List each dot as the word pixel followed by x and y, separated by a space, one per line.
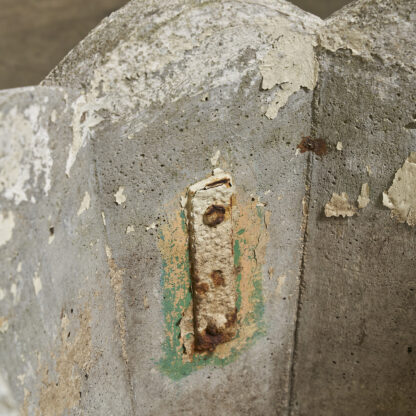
pixel 36 34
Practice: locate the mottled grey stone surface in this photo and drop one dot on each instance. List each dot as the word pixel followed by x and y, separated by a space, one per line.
pixel 133 116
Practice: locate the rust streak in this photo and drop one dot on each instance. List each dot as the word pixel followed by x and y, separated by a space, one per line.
pixel 317 146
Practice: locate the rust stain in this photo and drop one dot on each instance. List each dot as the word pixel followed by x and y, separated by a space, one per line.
pixel 217 278
pixel 214 215
pixel 317 146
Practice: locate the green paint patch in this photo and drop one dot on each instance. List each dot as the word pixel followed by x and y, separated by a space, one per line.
pixel 176 288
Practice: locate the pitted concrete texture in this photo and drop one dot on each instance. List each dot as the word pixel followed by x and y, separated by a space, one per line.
pixel 96 162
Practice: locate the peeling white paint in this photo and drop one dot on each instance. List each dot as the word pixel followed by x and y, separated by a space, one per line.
pixel 37 283
pixel 85 204
pixel 19 267
pixel 172 54
pixel 339 146
pixel 53 116
pixel 84 118
pixel 401 196
pixel 214 159
pixel 103 217
pixel 119 196
pixel 6 227
pixel 364 197
pixel 25 157
pixel 339 206
pixel 129 229
pixel 289 65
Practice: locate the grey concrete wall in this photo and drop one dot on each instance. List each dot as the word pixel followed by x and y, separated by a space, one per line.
pixel 57 302
pixel 356 331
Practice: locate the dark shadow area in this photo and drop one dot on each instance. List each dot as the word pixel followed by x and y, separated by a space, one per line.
pixel 321 8
pixel 36 34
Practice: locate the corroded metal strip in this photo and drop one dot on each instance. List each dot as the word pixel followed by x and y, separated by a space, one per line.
pixel 212 264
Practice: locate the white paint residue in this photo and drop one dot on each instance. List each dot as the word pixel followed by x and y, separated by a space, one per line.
pixel 129 229
pixel 401 196
pixel 339 146
pixel 6 227
pixel 2 294
pixel 288 66
pixel 19 267
pixel 53 116
pixel 119 196
pixel 85 204
pixel 199 50
pixel 4 324
pixel 151 227
pixel 339 206
pixel 364 197
pixel 103 217
pixel 51 238
pixel 21 378
pixel 13 291
pixel 183 201
pixel 368 169
pixel 280 281
pixel 84 118
pixel 25 155
pixel 37 283
pixel 214 159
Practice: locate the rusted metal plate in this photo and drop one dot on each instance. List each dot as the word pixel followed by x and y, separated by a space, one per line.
pixel 210 226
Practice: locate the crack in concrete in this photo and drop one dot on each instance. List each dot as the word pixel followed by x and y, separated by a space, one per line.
pixel 304 228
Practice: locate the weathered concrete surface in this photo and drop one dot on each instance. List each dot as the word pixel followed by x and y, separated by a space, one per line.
pixel 356 328
pixel 58 346
pixel 143 108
